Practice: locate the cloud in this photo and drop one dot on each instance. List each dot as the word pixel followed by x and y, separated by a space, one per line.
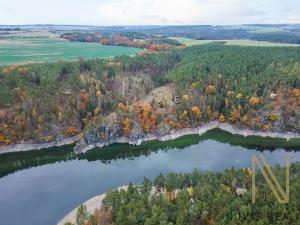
pixel 138 12
pixel 149 12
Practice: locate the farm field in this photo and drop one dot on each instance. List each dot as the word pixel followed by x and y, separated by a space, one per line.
pixel 27 50
pixel 244 42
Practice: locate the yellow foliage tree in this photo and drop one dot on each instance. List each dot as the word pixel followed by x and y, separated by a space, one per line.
pixel 184 116
pixel 34 112
pixel 211 89
pixel 8 69
pixel 122 107
pixel 126 127
pixel 196 112
pixel 239 96
pixel 82 79
pixel 98 93
pixel 222 118
pixel 230 93
pixel 273 117
pixel 254 101
pixel 96 111
pixel 244 119
pixel 185 98
pixel 194 85
pixel 22 70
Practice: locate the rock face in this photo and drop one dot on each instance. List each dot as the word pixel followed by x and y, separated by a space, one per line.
pixel 137 134
pixel 110 132
pixel 104 134
pixel 163 130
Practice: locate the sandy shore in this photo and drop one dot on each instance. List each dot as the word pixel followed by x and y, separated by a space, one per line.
pixel 91 205
pixel 150 137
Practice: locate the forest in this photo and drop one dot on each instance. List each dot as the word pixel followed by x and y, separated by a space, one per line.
pixel 199 198
pixel 282 33
pixel 253 87
pixel 130 39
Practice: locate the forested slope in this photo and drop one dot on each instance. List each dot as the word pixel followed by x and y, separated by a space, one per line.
pixel 199 198
pixel 248 85
pixel 255 87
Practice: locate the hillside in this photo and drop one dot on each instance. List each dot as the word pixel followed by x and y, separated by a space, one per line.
pixel 195 198
pixel 253 87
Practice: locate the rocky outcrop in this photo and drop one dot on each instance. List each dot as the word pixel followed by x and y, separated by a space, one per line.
pixel 105 134
pixel 137 134
pixel 163 129
pixel 110 132
pixel 164 134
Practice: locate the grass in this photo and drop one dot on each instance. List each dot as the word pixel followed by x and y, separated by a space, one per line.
pixel 244 42
pixel 27 50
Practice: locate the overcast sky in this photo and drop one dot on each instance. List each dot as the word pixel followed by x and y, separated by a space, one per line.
pixel 148 12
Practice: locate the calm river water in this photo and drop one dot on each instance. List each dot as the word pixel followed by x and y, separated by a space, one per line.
pixel 40 187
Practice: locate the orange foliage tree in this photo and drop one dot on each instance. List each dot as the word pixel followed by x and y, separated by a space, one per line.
pixel 8 69
pixel 234 115
pixel 84 99
pixel 71 131
pixel 146 117
pixel 4 140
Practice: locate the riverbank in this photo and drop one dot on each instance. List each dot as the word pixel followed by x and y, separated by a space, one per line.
pixel 32 146
pixel 189 131
pixel 150 137
pixel 91 205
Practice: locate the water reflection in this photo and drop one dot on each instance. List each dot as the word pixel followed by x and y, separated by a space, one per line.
pixel 50 183
pixel 12 162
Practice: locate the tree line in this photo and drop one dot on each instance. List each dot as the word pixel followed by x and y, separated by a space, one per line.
pixel 198 198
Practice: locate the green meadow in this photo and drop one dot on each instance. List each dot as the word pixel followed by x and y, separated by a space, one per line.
pixel 27 50
pixel 244 42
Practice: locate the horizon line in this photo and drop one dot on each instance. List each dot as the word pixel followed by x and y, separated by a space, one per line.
pixel 145 25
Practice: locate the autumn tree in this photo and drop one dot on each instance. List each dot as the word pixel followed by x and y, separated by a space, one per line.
pixel 146 116
pixel 211 89
pixel 222 118
pixel 254 101
pixel 126 126
pixel 234 115
pixel 71 131
pixel 196 112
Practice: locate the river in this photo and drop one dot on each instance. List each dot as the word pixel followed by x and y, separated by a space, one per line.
pixel 40 187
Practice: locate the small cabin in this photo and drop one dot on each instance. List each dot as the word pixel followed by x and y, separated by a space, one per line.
pixel 240 191
pixel 273 95
pixel 176 99
pixel 66 91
